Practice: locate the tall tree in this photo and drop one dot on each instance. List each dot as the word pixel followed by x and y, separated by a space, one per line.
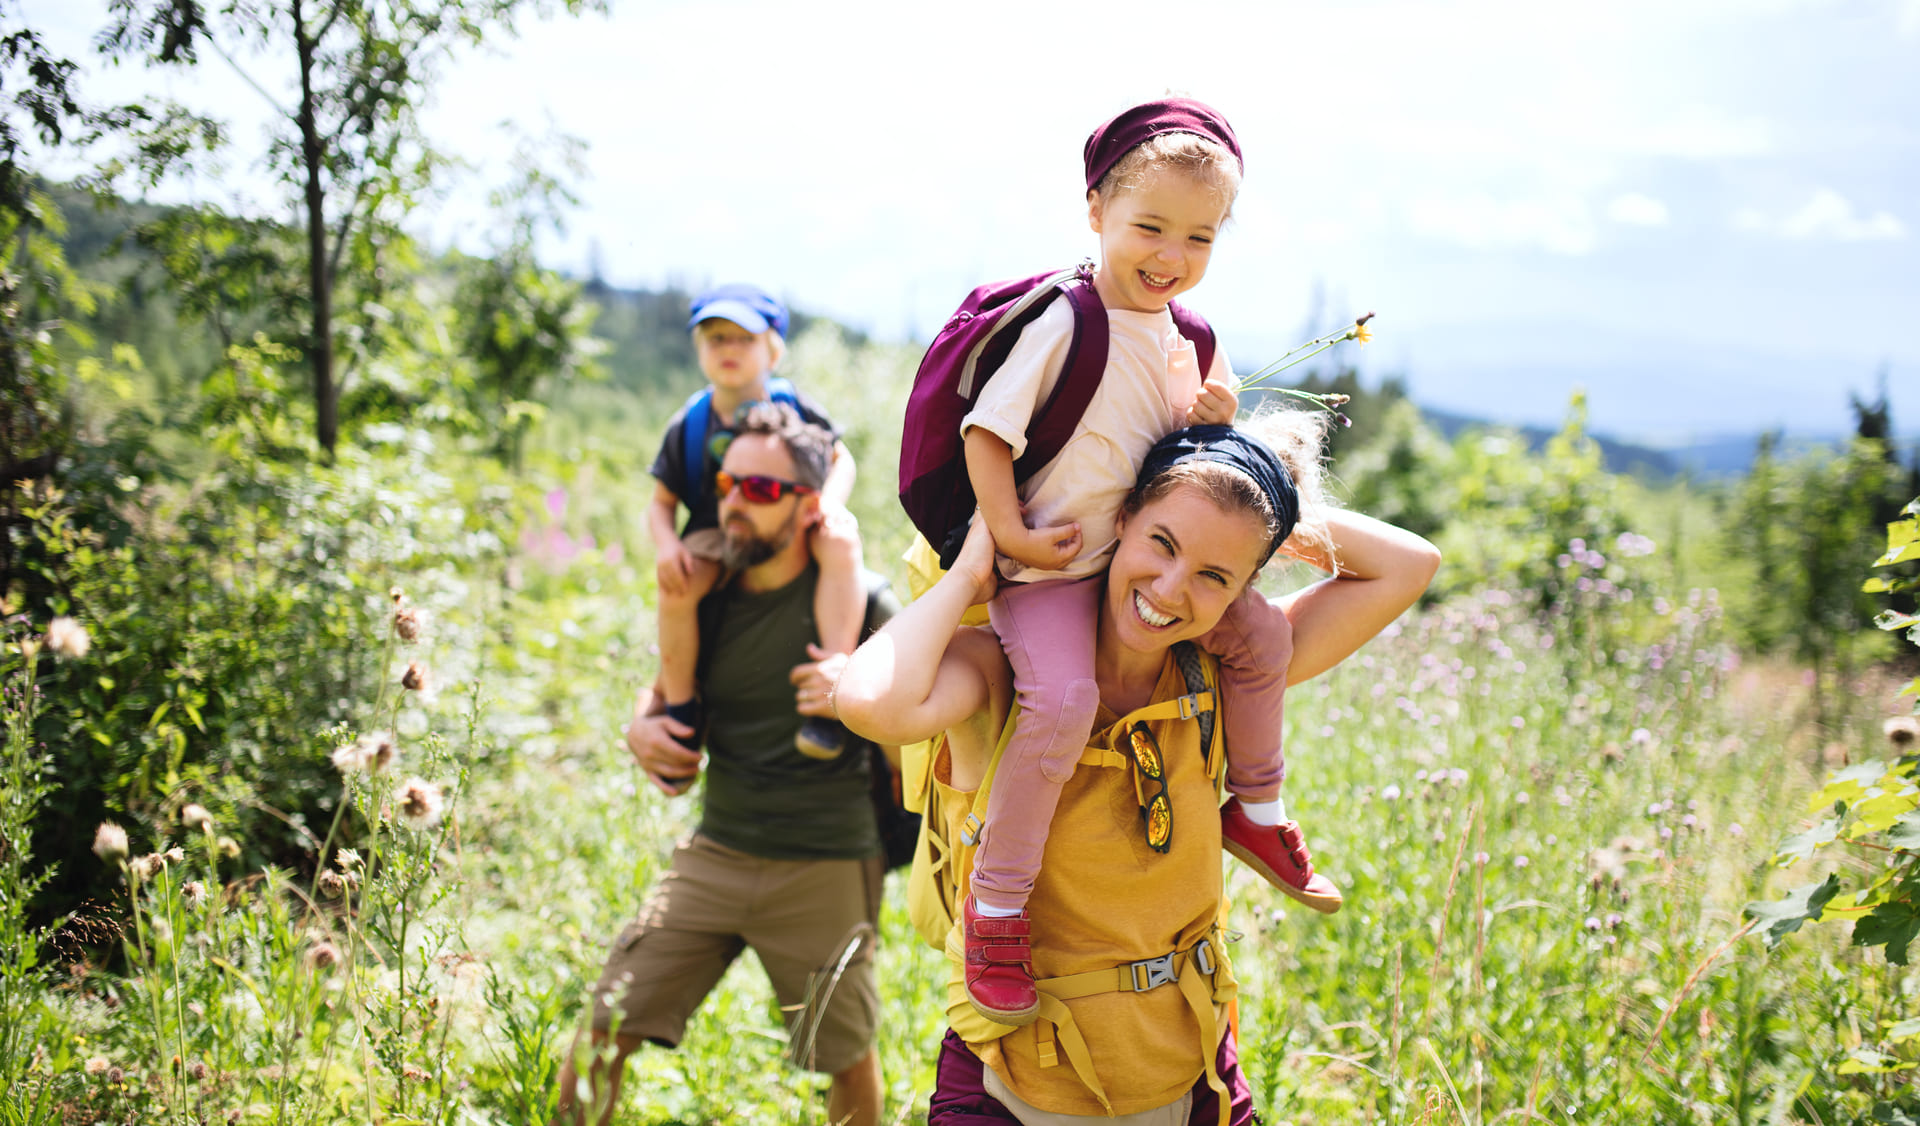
pixel 346 80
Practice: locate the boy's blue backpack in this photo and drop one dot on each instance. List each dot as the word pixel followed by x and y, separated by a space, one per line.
pixel 934 488
pixel 699 419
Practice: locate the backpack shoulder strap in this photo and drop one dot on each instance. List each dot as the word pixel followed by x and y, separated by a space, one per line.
pixel 1194 669
pixel 977 813
pixel 780 390
pixel 693 442
pixel 1053 423
pixel 699 422
pixel 1194 327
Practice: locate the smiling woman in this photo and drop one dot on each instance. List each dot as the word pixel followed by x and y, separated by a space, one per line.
pixel 1123 907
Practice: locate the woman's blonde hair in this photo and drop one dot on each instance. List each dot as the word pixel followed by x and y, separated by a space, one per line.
pixel 1298 438
pixel 1206 161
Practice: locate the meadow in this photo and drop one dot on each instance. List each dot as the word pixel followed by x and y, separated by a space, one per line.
pixel 1549 792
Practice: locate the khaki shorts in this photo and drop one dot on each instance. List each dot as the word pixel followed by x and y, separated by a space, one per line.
pixel 797 915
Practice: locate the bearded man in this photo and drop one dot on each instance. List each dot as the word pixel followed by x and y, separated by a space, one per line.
pixel 787 855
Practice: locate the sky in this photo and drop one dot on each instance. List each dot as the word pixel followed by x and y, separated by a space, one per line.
pixel 1703 213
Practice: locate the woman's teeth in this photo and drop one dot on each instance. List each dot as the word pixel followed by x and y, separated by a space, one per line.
pixel 1148 614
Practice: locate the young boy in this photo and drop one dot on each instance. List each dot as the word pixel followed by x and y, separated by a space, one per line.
pixel 739 337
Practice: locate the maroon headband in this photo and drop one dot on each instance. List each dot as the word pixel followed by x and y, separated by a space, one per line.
pixel 1147 120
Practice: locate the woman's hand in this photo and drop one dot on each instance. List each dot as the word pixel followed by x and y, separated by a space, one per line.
pixel 974 567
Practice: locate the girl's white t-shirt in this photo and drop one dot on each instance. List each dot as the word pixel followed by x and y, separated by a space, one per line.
pixel 1151 381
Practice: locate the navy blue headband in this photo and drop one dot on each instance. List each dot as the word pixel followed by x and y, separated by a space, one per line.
pixel 1231 448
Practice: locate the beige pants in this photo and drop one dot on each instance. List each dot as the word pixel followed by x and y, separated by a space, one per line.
pixel 1174 1113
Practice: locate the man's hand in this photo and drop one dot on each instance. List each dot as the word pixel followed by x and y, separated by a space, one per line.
pixel 670 765
pixel 813 682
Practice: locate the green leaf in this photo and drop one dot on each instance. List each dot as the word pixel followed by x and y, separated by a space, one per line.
pixel 1877 813
pixel 1866 1061
pixel 1892 924
pixel 1785 915
pixel 1904 1030
pixel 1849 785
pixel 1905 832
pixel 1894 619
pixel 1799 846
pixel 1912 688
pixel 1899 554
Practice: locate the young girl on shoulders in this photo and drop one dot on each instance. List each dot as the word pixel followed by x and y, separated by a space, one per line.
pixel 1161 180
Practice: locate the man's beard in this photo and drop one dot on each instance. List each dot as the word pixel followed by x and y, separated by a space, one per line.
pixel 743 548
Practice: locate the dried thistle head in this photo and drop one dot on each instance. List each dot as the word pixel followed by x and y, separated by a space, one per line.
pixel 195 815
pixel 1903 732
pixel 109 842
pixel 415 679
pixel 68 638
pixel 420 803
pixel 193 893
pixel 323 955
pixel 409 622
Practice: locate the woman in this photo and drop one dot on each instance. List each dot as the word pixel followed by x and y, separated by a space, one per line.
pixel 1132 981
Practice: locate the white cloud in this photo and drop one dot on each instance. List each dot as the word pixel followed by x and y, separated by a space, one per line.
pixel 1481 222
pixel 1636 210
pixel 1828 216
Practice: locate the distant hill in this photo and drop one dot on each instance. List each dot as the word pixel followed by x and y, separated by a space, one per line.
pixel 1617 456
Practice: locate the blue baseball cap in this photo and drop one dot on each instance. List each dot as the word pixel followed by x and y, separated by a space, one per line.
pixel 750 307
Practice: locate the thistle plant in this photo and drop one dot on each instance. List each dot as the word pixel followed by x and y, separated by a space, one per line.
pixel 1262 380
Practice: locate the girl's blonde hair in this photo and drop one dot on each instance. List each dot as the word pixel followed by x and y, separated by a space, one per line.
pixel 1298 438
pixel 1204 160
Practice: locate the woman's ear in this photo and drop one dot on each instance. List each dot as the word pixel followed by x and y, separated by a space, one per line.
pixel 1093 211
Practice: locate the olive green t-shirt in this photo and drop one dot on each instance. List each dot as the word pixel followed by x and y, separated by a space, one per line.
pixel 762 795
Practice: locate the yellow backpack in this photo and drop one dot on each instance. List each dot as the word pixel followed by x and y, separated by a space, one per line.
pixel 940 864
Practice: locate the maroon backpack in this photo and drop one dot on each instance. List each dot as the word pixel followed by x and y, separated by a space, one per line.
pixel 934 488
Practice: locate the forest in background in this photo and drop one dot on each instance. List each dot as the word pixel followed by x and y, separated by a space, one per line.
pixel 1560 789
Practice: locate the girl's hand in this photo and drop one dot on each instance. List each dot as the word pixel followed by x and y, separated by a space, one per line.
pixel 672 567
pixel 1215 405
pixel 1045 549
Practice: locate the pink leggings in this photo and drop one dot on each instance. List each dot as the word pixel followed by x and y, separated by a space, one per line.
pixel 1048 630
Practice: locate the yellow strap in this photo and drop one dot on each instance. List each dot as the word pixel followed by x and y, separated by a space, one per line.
pixel 1055 991
pixel 1200 1000
pixel 1102 756
pixel 1055 1010
pixel 1179 707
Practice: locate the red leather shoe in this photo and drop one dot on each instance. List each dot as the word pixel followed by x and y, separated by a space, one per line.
pixel 1279 854
pixel 1000 966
